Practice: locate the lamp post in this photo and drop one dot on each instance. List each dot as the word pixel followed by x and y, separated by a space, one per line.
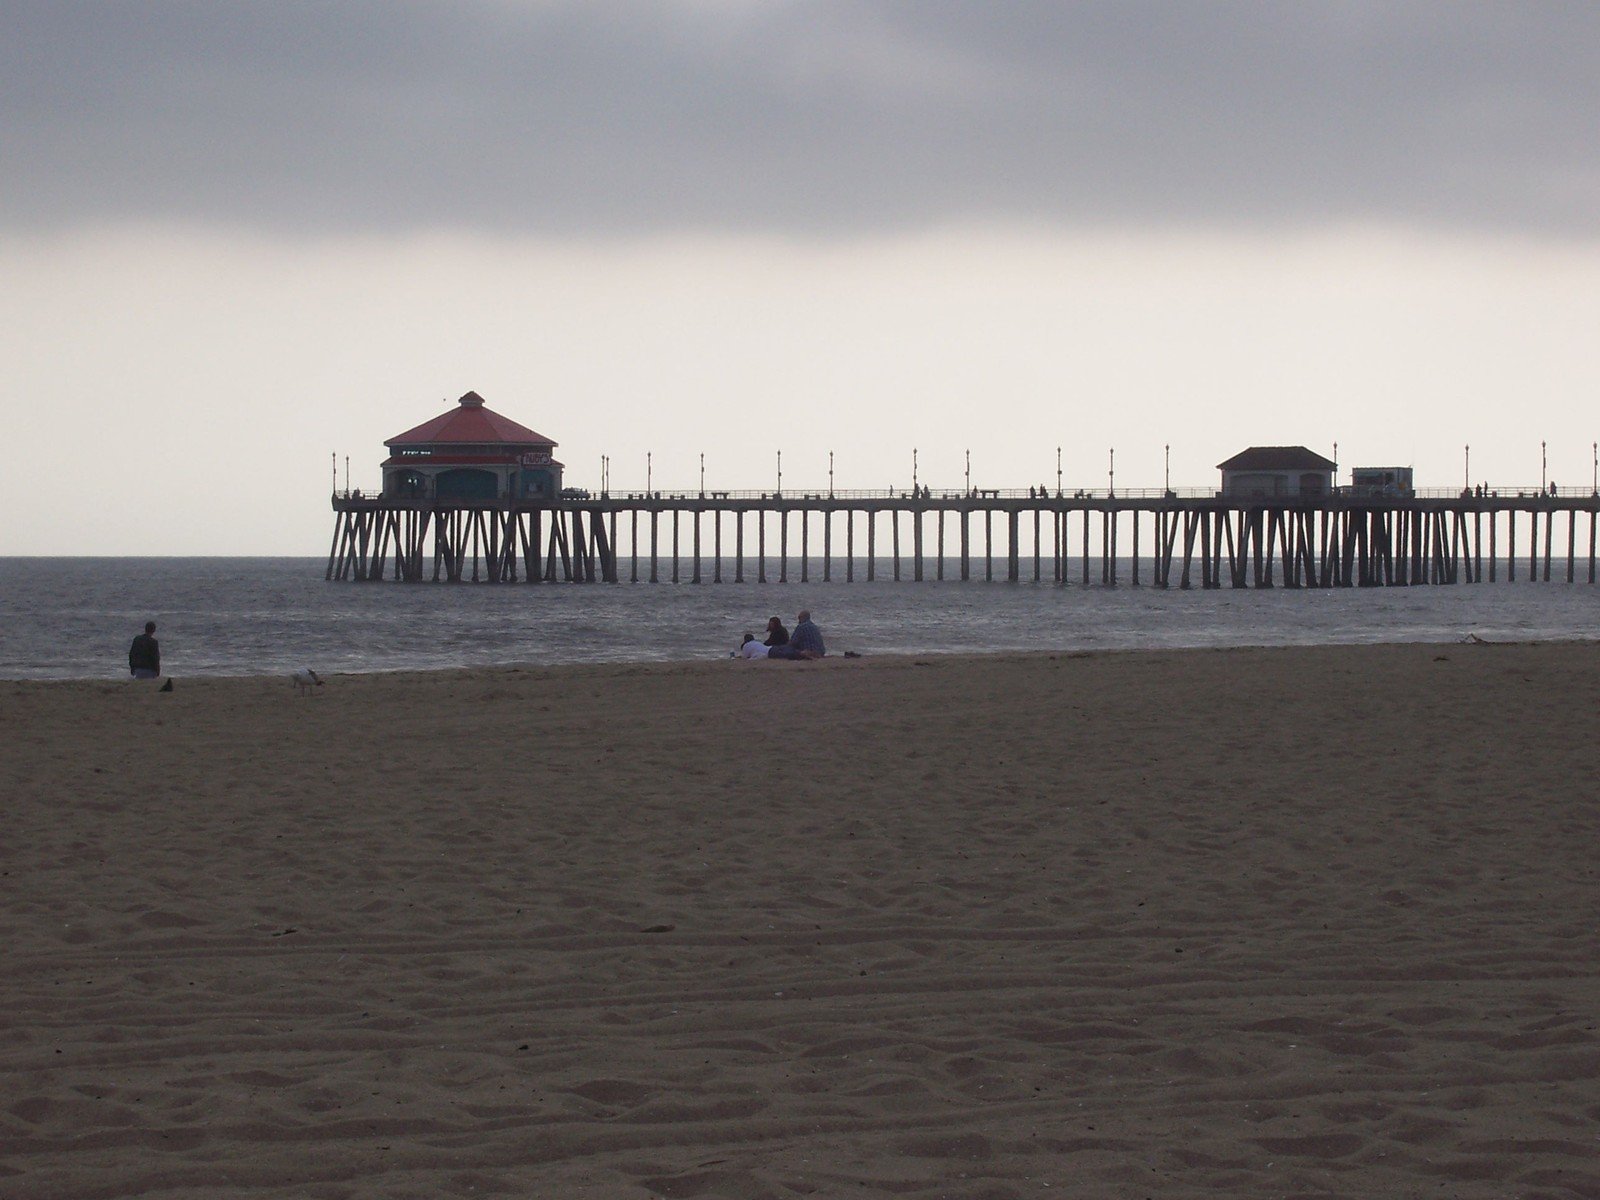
pixel 1466 471
pixel 915 490
pixel 1058 472
pixel 780 473
pixel 334 454
pixel 830 474
pixel 346 474
pixel 702 475
pixel 1166 473
pixel 1111 476
pixel 1596 484
pixel 1544 467
pixel 647 473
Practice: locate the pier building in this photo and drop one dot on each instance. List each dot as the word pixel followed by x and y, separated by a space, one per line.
pixel 1381 481
pixel 471 454
pixel 1271 471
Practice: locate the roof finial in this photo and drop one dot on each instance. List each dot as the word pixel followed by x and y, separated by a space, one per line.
pixel 472 400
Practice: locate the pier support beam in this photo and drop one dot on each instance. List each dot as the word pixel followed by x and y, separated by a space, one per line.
pixel 872 545
pixel 805 545
pixel 849 546
pixel 827 546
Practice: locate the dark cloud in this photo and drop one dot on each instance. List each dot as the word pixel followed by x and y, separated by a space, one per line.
pixel 824 117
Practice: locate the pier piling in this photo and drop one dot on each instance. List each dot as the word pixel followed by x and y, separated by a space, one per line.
pixel 1314 543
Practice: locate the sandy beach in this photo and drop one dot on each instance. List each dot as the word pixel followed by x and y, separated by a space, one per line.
pixel 1247 923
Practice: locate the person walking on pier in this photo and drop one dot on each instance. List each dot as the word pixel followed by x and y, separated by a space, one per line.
pixel 805 642
pixel 144 656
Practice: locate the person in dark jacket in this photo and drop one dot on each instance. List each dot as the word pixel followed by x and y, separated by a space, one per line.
pixel 777 635
pixel 806 643
pixel 144 656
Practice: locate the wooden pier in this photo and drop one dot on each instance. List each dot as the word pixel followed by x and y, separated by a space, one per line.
pixel 1161 539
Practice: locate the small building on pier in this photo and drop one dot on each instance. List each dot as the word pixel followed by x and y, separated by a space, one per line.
pixel 1273 472
pixel 1381 481
pixel 469 454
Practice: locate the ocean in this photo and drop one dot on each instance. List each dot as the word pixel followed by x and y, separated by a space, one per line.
pixel 72 618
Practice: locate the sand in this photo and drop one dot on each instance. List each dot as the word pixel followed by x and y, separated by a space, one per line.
pixel 1242 923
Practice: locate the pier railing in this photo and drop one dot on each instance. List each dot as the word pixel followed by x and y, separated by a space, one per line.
pixel 929 494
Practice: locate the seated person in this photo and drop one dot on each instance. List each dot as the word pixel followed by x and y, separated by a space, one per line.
pixel 777 635
pixel 806 641
pixel 752 648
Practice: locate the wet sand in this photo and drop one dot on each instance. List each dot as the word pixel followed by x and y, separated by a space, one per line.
pixel 1242 923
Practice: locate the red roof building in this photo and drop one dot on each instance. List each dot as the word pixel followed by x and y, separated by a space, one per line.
pixel 469 423
pixel 471 453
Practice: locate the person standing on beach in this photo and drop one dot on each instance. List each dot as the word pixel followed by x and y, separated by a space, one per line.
pixel 144 656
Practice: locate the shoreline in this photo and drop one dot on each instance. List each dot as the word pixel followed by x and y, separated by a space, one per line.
pixel 826 663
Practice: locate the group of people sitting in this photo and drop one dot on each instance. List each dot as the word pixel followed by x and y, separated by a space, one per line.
pixel 804 642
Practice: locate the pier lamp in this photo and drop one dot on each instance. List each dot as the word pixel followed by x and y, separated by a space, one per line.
pixel 780 472
pixel 969 472
pixel 1058 472
pixel 346 474
pixel 830 474
pixel 702 475
pixel 1544 468
pixel 1596 484
pixel 335 456
pixel 1166 471
pixel 648 473
pixel 1111 475
pixel 1466 472
pixel 914 470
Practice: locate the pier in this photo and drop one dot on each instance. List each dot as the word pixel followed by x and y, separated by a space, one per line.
pixel 1203 539
pixel 471 495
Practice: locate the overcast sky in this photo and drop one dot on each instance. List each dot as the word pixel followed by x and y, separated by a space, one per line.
pixel 236 237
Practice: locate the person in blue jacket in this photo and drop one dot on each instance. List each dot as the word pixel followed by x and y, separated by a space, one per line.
pixel 804 642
